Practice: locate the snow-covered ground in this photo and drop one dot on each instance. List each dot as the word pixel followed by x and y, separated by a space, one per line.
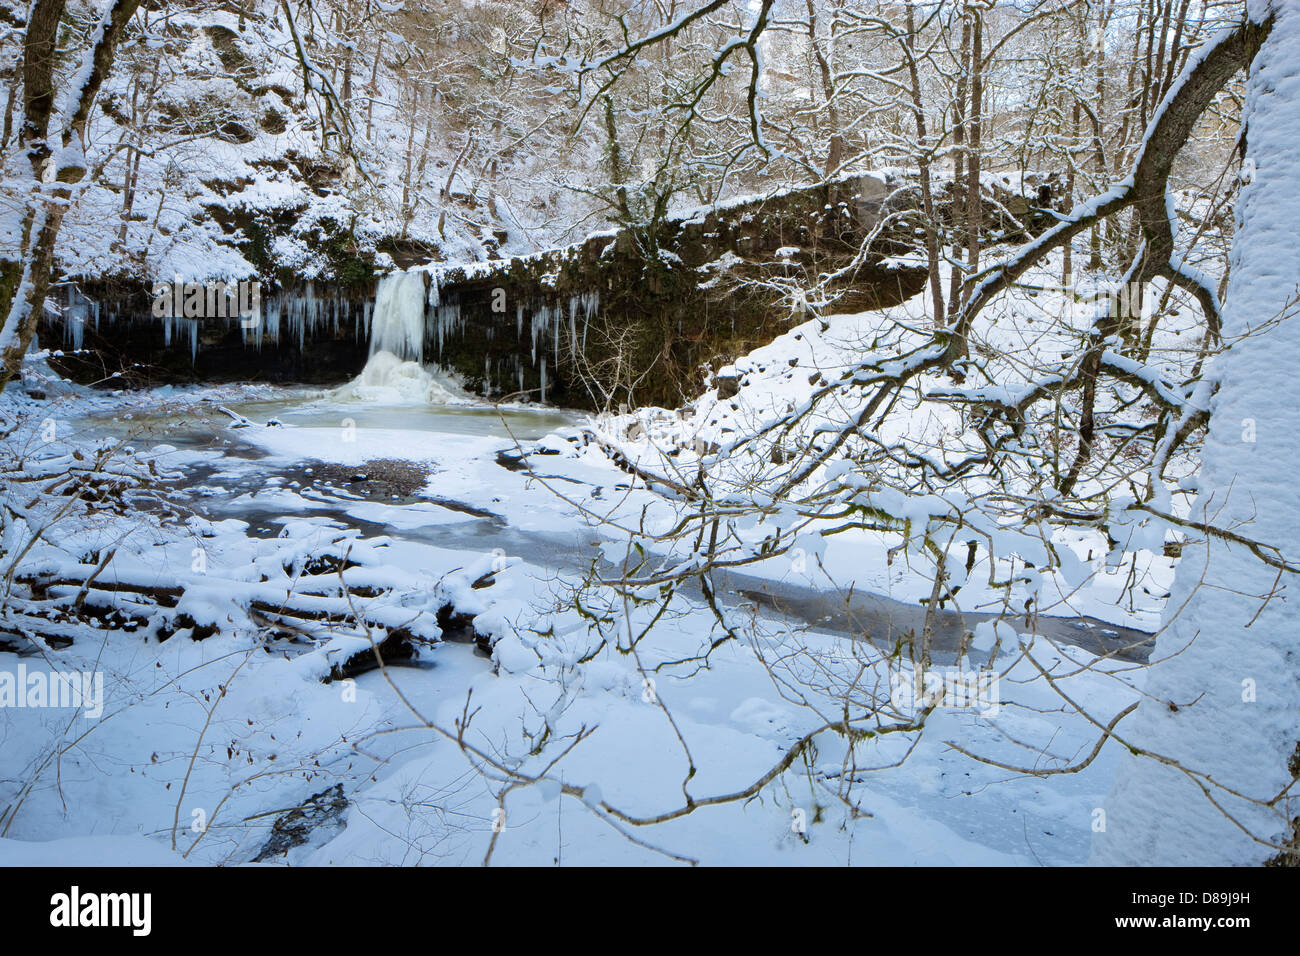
pixel 572 742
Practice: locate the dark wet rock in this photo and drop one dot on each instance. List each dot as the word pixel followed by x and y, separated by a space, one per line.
pixel 9 644
pixel 183 622
pixel 458 628
pixel 321 564
pixel 273 121
pixel 461 507
pixel 728 386
pixel 317 820
pixel 235 132
pixel 512 461
pixel 379 478
pixel 397 648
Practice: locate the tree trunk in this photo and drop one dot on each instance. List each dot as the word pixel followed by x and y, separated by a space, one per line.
pixel 932 250
pixel 959 162
pixel 1222 699
pixel 974 206
pixel 44 217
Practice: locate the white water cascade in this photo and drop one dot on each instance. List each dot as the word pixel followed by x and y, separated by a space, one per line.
pixel 395 371
pixel 397 325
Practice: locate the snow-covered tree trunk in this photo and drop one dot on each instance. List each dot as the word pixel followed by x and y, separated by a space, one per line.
pixel 56 179
pixel 1222 717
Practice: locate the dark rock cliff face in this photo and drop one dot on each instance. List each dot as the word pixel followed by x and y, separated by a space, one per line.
pixel 303 336
pixel 638 316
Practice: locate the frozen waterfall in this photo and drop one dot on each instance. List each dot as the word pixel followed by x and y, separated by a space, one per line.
pixel 395 371
pixel 397 325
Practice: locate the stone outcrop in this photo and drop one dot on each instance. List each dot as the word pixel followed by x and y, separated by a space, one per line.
pixel 640 315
